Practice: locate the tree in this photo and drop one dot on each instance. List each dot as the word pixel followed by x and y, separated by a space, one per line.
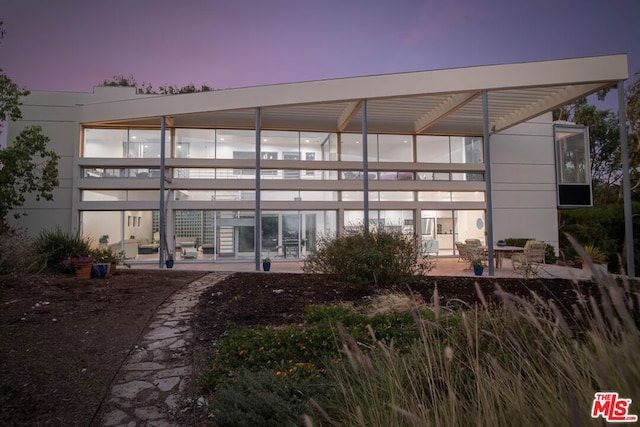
pixel 26 165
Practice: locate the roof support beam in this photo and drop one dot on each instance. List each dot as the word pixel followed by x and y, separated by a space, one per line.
pixel 348 114
pixel 562 96
pixel 450 105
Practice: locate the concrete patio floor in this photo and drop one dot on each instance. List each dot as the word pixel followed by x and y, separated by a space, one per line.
pixel 445 266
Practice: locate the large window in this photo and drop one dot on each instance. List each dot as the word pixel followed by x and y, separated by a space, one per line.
pixel 445 149
pixel 195 144
pixel 124 143
pixel 380 148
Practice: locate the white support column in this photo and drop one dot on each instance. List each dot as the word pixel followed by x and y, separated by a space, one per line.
pixel 162 225
pixel 365 166
pixel 257 215
pixel 487 178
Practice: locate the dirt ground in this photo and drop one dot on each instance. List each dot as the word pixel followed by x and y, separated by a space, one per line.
pixel 63 339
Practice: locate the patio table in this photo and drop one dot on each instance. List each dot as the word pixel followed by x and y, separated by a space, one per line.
pixel 501 251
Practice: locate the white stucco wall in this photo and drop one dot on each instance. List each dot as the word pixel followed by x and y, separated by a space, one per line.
pixel 524 182
pixel 56 113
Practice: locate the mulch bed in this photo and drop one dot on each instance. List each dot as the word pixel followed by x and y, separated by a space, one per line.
pixel 246 299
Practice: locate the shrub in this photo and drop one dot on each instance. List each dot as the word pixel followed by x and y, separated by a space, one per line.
pixel 303 351
pixel 594 253
pixel 15 256
pixel 53 246
pixel 379 257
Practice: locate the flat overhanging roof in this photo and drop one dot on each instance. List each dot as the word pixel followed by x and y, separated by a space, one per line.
pixel 444 102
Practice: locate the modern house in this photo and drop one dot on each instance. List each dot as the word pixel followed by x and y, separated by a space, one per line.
pixel 242 173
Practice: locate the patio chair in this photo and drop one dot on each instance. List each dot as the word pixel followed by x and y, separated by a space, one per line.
pixel 531 258
pixel 461 248
pixel 430 246
pixel 474 247
pixel 473 243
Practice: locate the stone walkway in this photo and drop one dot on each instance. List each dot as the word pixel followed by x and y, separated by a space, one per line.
pixel 147 390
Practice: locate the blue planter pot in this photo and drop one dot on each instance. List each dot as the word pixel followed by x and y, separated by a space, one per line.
pixel 100 270
pixel 169 263
pixel 477 269
pixel 266 266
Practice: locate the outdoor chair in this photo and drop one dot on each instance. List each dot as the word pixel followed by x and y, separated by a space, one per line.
pixel 475 250
pixel 430 250
pixel 531 258
pixel 430 246
pixel 462 252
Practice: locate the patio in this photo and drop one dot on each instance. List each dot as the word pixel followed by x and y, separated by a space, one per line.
pixel 445 266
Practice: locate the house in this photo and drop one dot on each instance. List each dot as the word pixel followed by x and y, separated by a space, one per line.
pixel 446 154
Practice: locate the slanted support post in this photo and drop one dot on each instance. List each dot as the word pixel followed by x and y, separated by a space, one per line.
pixel 626 181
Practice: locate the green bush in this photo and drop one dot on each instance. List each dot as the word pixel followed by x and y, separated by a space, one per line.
pixel 379 257
pixel 15 256
pixel 53 246
pixel 602 226
pixel 303 351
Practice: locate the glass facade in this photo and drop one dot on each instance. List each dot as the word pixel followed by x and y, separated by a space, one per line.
pixel 210 190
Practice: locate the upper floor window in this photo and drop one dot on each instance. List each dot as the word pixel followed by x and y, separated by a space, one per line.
pixel 380 147
pixel 123 143
pixel 449 149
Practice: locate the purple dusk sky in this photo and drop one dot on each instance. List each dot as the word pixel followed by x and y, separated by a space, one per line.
pixel 76 44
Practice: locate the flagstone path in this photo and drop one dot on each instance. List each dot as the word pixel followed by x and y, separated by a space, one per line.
pixel 149 388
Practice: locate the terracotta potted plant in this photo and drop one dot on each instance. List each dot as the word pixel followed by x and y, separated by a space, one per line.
pixel 82 265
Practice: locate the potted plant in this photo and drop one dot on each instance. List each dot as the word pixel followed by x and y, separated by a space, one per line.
pixel 478 268
pixel 266 263
pixel 103 257
pixel 81 264
pixel 169 261
pixel 597 257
